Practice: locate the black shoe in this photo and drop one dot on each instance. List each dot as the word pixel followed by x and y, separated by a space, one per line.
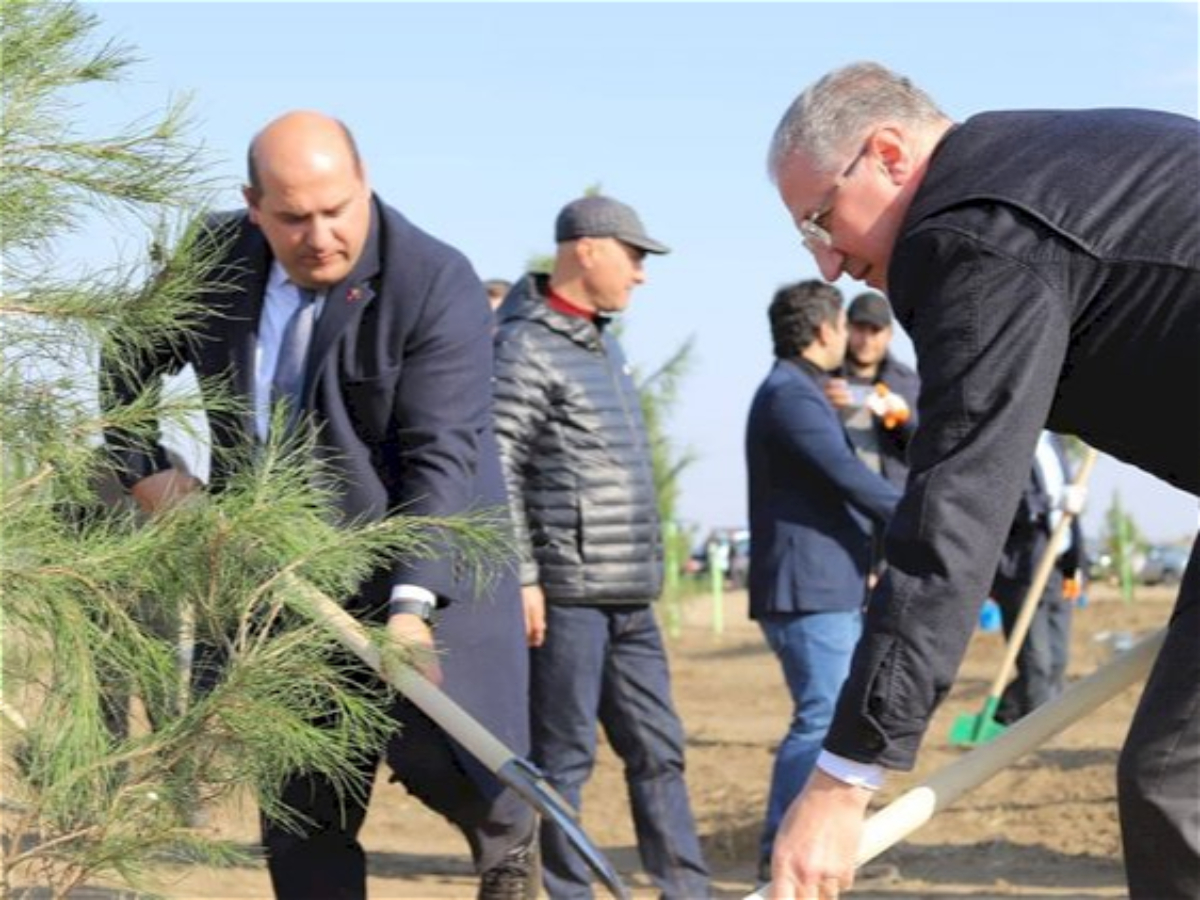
pixel 517 876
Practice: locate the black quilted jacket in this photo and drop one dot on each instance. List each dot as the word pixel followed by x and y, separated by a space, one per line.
pixel 575 455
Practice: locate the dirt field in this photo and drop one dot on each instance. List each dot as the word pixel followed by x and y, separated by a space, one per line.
pixel 1045 828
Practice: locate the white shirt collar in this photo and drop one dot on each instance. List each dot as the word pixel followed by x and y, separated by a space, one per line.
pixel 278 280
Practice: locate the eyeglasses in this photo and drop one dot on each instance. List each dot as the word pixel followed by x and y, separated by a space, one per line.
pixel 812 228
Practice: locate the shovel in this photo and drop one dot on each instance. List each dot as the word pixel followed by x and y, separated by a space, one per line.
pixel 516 772
pixel 969 730
pixel 914 808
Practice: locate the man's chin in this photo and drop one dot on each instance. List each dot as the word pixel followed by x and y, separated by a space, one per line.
pixel 320 278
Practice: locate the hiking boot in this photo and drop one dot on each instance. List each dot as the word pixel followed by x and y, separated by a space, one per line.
pixel 518 875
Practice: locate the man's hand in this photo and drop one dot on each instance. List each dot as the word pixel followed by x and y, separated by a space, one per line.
pixel 417 637
pixel 837 392
pixel 534 601
pixel 817 844
pixel 163 490
pixel 1073 499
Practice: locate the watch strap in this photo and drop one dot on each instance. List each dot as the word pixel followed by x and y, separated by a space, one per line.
pixel 418 608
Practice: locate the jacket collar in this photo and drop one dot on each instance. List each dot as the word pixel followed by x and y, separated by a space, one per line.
pixel 528 301
pixel 806 366
pixel 346 300
pixel 244 283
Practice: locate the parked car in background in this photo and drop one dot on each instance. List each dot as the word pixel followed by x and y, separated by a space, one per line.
pixel 1164 564
pixel 730 548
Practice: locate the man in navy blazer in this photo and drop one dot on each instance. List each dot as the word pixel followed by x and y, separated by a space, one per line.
pixel 397 380
pixel 814 506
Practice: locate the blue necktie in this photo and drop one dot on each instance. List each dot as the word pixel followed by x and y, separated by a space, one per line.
pixel 288 384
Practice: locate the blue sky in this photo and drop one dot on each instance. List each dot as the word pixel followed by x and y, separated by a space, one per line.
pixel 479 121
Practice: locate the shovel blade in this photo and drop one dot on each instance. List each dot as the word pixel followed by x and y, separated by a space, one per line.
pixel 968 730
pixel 526 780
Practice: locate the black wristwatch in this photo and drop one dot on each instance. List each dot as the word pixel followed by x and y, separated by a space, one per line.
pixel 419 608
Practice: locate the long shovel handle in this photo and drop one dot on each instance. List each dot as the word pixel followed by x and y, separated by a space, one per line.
pixel 511 769
pixel 914 808
pixel 1045 566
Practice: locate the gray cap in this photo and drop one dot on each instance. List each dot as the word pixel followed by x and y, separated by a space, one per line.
pixel 604 217
pixel 870 309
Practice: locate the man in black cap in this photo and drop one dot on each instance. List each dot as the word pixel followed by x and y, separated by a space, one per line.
pixel 876 394
pixel 577 464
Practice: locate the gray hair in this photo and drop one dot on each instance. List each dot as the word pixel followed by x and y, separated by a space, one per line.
pixel 824 122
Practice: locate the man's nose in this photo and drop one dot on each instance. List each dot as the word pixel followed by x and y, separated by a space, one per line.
pixel 829 261
pixel 319 232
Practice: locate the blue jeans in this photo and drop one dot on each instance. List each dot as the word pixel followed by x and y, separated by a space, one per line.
pixel 814 650
pixel 607 664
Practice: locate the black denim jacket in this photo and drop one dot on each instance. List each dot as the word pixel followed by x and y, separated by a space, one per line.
pixel 1048 271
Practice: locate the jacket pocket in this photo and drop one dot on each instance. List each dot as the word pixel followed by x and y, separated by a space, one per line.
pixel 369 403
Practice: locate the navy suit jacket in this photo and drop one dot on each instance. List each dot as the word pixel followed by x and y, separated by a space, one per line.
pixel 399 384
pixel 813 502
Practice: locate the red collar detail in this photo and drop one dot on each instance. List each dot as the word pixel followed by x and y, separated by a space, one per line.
pixel 561 304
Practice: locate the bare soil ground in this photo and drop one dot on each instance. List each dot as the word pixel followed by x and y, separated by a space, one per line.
pixel 1044 828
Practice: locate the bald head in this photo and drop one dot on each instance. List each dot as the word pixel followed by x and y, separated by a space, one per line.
pixel 308 193
pixel 300 131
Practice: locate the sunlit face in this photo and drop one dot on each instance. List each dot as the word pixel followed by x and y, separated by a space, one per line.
pixel 315 215
pixel 850 208
pixel 612 270
pixel 868 344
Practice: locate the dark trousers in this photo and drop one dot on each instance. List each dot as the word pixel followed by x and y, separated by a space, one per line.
pixel 607 665
pixel 324 859
pixel 1158 777
pixel 1041 663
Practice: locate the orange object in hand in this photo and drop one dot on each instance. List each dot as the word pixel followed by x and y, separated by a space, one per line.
pixel 895 416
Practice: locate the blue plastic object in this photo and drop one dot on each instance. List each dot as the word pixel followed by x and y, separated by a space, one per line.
pixel 989 616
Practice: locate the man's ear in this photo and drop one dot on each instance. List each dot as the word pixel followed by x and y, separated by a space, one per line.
pixel 251 196
pixel 585 252
pixel 893 147
pixel 825 333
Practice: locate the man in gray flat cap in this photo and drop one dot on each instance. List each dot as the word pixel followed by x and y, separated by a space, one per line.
pixel 577 464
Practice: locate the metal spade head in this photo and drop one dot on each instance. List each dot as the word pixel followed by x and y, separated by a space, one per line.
pixel 523 777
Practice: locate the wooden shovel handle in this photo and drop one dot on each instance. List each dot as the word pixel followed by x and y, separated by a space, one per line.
pixel 1045 566
pixel 914 808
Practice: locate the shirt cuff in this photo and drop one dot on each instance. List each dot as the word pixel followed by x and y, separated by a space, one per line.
pixel 413 592
pixel 864 775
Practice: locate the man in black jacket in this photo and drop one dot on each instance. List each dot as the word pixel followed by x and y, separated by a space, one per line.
pixel 1047 267
pixel 577 464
